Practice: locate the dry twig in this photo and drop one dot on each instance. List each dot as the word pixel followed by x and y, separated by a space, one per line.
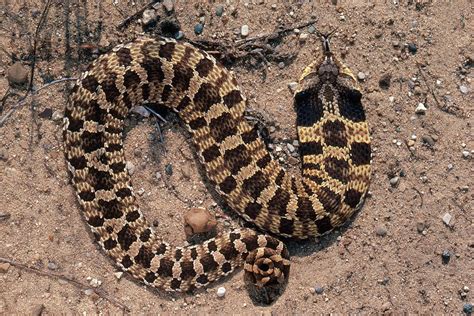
pixel 101 293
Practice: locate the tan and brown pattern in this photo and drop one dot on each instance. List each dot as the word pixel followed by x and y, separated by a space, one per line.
pixel 335 151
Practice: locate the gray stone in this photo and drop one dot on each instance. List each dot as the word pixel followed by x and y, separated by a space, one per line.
pixel 52 265
pixel 219 10
pixel 198 28
pixel 311 29
pixel 290 147
pixel 17 74
pixel 318 289
pixel 428 140
pixel 169 169
pixel 381 231
pixel 130 167
pixel 394 181
pixel 464 89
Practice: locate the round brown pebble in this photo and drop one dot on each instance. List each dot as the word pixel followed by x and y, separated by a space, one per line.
pixel 17 74
pixel 198 220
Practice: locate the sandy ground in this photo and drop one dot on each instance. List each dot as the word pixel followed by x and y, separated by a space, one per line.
pixel 387 259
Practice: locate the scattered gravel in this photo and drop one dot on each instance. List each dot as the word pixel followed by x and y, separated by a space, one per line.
pixel 446 256
pixel 447 218
pixel 221 291
pixel 318 289
pixel 130 167
pixel 412 48
pixel 293 86
pixel 148 16
pixel 168 4
pixel 4 266
pixel 219 10
pixel 140 110
pixel 467 308
pixel 169 169
pixel 381 231
pixel 384 81
pixel 198 28
pixel 52 265
pixel 420 109
pixel 244 30
pixel 17 74
pixel 428 140
pixel 394 181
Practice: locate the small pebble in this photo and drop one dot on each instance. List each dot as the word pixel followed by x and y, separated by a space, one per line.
pixel 158 175
pixel 428 140
pixel 420 109
pixel 179 35
pixel 384 81
pixel 420 227
pixel 303 37
pixel 118 275
pixel 446 256
pixel 94 282
pixel 141 111
pixel 3 155
pixel 296 143
pixel 467 308
pixel 411 143
pixel 149 16
pixel 412 48
pixel 169 169
pixel 52 265
pixel 292 86
pixel 278 148
pixel 219 10
pixel 290 147
pixel 4 266
pixel 281 65
pixel 198 28
pixel 221 292
pixel 130 167
pixel 447 218
pixel 463 89
pixel 141 191
pixel 311 29
pixel 465 288
pixel 89 292
pixel 466 154
pixel 391 98
pixel 381 231
pixel 17 74
pixel 394 181
pixel 395 44
pixel 450 166
pixel 46 114
pixel 57 115
pixel 318 289
pixel 361 76
pixel 244 30
pixel 168 4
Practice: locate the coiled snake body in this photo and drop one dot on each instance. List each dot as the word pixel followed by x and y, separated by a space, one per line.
pixel 334 146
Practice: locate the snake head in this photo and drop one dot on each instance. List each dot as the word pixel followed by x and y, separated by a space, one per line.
pixel 327 68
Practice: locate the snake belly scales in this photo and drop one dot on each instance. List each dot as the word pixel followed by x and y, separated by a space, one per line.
pixel 334 147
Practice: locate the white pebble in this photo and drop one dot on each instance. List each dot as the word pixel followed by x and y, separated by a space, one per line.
pixel 141 111
pixel 221 291
pixel 420 109
pixel 148 16
pixel 391 99
pixel 94 282
pixel 466 153
pixel 292 86
pixel 244 30
pixel 118 275
pixel 464 89
pixel 447 218
pixel 130 167
pixel 361 75
pixel 57 115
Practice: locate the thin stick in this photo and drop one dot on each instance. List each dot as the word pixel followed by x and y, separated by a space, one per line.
pixel 33 93
pixel 35 43
pixel 103 294
pixel 135 16
pixel 428 86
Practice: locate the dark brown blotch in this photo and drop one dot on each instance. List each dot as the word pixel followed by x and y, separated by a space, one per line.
pixel 126 237
pixel 237 158
pixel 207 96
pixel 337 169
pixel 124 56
pixel 360 154
pixel 334 133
